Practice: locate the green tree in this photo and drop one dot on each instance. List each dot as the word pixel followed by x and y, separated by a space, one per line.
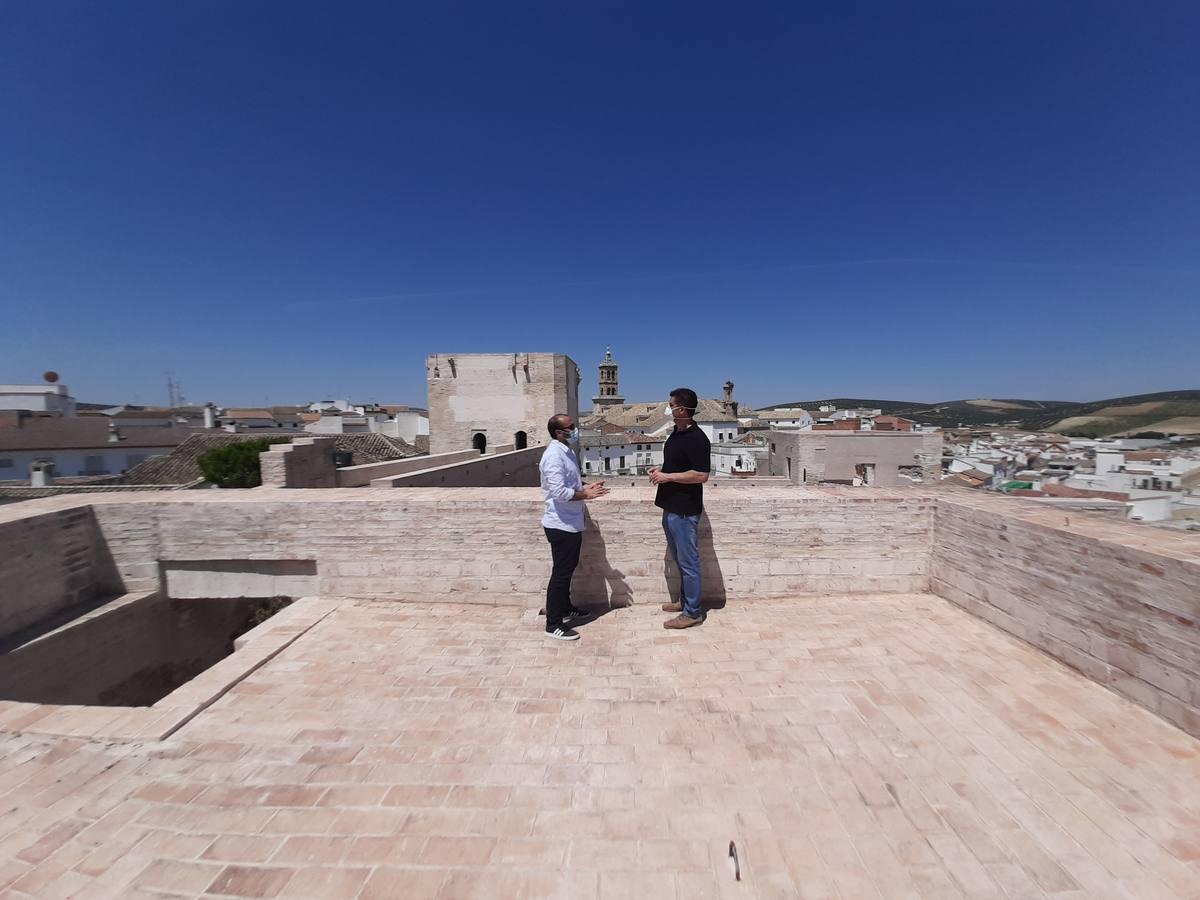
pixel 236 465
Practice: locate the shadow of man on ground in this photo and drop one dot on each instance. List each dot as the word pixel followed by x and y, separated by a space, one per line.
pixel 596 588
pixel 712 579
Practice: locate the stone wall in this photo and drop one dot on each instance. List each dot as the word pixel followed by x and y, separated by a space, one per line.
pixel 1118 602
pixel 130 652
pixel 50 562
pixel 516 468
pixel 378 474
pixel 307 462
pixel 816 456
pixel 496 395
pixel 487 545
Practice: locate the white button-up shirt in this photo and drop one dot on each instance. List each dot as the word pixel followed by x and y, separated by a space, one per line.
pixel 560 481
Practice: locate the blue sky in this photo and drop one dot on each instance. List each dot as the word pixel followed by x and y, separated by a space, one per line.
pixel 283 201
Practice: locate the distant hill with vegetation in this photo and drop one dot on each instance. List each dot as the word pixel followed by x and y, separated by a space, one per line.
pixel 1167 412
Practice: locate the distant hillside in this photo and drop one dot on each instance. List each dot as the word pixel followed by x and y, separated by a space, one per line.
pixel 1169 412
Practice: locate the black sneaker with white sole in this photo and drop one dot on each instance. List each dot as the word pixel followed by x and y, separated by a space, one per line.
pixel 562 633
pixel 574 614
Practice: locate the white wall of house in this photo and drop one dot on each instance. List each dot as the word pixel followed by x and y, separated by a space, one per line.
pixel 789 418
pixel 37 398
pixel 341 425
pixel 406 426
pixel 409 425
pixel 1146 506
pixel 106 460
pixel 631 458
pixel 266 426
pixel 719 432
pixel 730 459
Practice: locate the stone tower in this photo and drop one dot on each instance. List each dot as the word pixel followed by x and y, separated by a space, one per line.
pixel 609 391
pixel 488 401
pixel 729 404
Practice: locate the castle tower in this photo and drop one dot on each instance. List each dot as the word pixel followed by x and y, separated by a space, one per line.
pixel 489 400
pixel 609 391
pixel 729 404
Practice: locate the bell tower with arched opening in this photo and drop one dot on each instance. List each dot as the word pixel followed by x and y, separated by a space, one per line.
pixel 609 388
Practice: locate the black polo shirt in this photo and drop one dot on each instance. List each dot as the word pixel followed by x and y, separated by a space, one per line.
pixel 685 451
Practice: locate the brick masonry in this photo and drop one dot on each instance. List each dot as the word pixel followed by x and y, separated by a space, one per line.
pixel 497 395
pixel 307 462
pixel 50 562
pixel 501 468
pixel 1118 602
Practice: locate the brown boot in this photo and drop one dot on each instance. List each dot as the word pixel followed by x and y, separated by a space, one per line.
pixel 682 621
pixel 673 607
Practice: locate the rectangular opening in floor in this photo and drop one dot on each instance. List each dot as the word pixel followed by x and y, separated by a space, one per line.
pixel 132 651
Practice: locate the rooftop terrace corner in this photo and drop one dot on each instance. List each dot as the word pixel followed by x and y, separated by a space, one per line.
pixel 849 717
pixel 1116 602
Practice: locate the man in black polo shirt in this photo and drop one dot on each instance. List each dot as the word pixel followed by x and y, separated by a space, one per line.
pixel 680 481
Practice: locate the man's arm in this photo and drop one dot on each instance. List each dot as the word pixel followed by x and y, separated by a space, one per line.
pixel 555 487
pixel 701 463
pixel 689 477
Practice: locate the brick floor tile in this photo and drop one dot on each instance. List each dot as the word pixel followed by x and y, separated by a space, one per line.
pixel 411 884
pixel 853 746
pixel 321 883
pixel 250 881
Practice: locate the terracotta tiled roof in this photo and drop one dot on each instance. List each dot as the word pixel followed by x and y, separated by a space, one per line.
pixel 181 466
pixel 653 416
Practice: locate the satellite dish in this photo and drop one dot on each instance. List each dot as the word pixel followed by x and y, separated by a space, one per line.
pixel 50 377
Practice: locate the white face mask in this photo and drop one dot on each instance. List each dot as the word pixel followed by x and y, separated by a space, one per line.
pixel 574 437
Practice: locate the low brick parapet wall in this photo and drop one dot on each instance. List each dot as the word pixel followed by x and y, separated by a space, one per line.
pixel 486 545
pixel 1117 601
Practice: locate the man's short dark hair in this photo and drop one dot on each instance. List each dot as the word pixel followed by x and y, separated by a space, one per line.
pixel 555 425
pixel 685 397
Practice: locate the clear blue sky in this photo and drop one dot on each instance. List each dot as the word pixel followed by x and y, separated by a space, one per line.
pixel 285 201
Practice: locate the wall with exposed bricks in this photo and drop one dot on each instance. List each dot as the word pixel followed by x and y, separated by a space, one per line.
pixel 1118 602
pixel 51 561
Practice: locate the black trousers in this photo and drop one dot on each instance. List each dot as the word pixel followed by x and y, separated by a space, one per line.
pixel 564 548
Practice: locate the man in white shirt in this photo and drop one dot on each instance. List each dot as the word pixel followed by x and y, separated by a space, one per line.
pixel 562 521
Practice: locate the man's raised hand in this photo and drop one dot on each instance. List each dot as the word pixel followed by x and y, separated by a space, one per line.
pixel 594 491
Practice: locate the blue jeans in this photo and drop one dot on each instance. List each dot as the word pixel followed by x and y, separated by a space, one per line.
pixel 683 533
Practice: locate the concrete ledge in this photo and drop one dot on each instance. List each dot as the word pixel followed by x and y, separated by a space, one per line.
pixel 510 468
pixel 369 473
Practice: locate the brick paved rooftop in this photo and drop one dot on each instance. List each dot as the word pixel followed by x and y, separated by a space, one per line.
pixel 905 694
pixel 852 746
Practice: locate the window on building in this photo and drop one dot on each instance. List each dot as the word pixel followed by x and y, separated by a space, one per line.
pixel 6 462
pixel 479 442
pixel 608 463
pixel 622 462
pixel 520 440
pixel 93 465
